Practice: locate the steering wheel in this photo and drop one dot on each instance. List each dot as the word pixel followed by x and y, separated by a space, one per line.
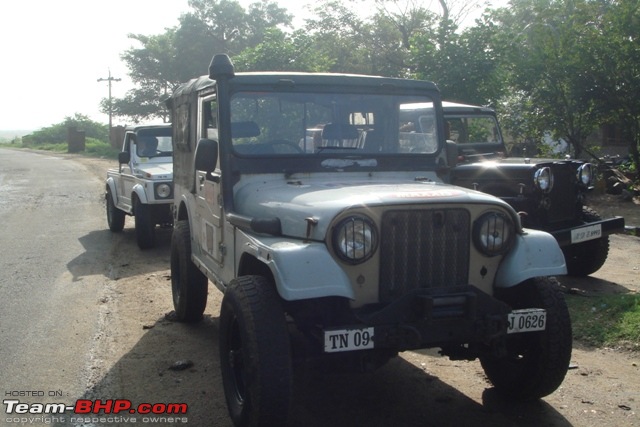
pixel 289 147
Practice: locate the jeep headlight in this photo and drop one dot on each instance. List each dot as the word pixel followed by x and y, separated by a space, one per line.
pixel 543 179
pixel 493 233
pixel 163 190
pixel 355 239
pixel 585 174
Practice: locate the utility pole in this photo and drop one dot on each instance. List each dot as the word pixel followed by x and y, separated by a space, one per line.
pixel 109 79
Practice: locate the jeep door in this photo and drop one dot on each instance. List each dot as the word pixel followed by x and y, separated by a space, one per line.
pixel 126 175
pixel 209 212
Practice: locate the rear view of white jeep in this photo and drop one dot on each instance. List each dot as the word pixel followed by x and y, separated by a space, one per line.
pixel 321 214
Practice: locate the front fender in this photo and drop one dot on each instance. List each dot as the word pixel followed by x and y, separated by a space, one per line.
pixel 111 184
pixel 138 190
pixel 302 270
pixel 535 253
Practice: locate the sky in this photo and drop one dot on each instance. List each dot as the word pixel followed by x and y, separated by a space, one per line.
pixel 52 53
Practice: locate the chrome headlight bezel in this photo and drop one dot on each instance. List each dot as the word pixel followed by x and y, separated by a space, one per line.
pixel 355 239
pixel 493 233
pixel 585 174
pixel 543 179
pixel 163 190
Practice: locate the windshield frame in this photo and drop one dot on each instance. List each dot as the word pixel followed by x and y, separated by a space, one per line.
pixel 331 158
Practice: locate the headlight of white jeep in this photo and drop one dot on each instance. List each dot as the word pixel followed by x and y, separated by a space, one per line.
pixel 493 233
pixel 585 174
pixel 543 179
pixel 355 239
pixel 163 190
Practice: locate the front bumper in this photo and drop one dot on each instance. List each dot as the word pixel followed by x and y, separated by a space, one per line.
pixel 436 317
pixel 569 236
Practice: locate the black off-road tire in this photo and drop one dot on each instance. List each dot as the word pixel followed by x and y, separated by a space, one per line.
pixel 115 217
pixel 255 354
pixel 188 284
pixel 145 226
pixel 587 257
pixel 536 362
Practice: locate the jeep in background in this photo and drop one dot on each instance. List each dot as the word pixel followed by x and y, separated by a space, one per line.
pixel 548 194
pixel 142 185
pixel 327 224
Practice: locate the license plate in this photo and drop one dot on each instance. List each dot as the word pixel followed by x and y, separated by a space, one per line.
pixel 583 234
pixel 527 320
pixel 348 339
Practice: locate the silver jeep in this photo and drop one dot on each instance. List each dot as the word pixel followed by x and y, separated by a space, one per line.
pixel 322 215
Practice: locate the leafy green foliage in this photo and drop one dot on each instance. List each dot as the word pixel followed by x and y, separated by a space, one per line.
pixel 612 320
pixel 281 52
pixel 166 60
pixel 57 133
pixel 551 68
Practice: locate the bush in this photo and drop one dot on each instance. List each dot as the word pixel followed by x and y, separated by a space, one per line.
pixel 57 133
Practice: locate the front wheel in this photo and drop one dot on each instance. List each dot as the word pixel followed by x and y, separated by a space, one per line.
pixel 587 257
pixel 188 283
pixel 115 217
pixel 536 362
pixel 255 354
pixel 145 226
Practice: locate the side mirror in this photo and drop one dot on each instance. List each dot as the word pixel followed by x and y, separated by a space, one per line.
pixel 206 156
pixel 124 157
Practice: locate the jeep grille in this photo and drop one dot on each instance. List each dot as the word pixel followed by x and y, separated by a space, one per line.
pixel 562 195
pixel 423 249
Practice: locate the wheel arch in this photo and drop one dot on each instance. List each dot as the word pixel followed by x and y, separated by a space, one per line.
pixel 534 254
pixel 138 191
pixel 298 269
pixel 250 265
pixel 111 186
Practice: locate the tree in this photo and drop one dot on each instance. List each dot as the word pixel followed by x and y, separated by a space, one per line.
pixel 282 52
pixel 547 61
pixel 340 34
pixel 164 61
pixel 154 68
pixel 465 66
pixel 615 48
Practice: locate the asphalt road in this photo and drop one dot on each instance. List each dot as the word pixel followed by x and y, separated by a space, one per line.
pixel 49 287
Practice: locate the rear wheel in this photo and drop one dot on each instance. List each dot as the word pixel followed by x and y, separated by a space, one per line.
pixel 115 217
pixel 145 226
pixel 188 284
pixel 255 354
pixel 587 257
pixel 536 362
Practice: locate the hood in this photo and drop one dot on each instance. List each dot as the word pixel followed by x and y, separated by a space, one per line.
pixel 294 201
pixel 155 171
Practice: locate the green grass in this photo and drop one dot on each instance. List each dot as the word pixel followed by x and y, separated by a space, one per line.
pixel 606 321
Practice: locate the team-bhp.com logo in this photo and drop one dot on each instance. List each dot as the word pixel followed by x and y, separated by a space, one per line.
pixel 84 407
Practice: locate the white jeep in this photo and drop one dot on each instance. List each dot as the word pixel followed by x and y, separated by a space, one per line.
pixel 142 185
pixel 322 216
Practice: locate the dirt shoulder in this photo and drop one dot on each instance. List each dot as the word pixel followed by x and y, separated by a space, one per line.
pixel 140 347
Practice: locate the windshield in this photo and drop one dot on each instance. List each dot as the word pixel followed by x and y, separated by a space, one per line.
pixel 472 129
pixel 154 142
pixel 336 124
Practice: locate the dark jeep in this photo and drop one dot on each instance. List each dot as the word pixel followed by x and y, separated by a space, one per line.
pixel 549 194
